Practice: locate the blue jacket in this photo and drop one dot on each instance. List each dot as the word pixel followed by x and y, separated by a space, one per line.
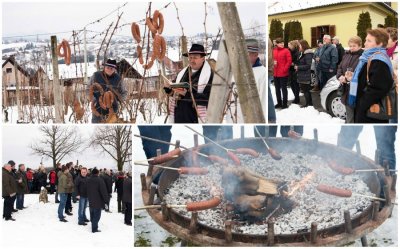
pixel 328 58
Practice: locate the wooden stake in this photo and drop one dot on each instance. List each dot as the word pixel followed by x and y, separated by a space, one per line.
pixel 375 210
pixel 228 231
pixel 143 181
pixel 57 90
pixel 193 223
pixel 347 222
pixel 153 189
pixel 185 60
pixel 314 230
pixel 271 233
pixel 18 92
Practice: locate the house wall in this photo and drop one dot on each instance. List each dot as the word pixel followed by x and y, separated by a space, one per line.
pixel 9 78
pixel 344 17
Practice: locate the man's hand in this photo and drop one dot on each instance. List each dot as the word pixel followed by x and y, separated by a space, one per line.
pixel 342 79
pixel 11 195
pixel 180 91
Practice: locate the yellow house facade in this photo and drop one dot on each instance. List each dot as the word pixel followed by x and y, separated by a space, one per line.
pixel 336 19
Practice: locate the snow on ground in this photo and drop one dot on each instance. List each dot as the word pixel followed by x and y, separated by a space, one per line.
pixel 147 232
pixel 297 115
pixel 38 226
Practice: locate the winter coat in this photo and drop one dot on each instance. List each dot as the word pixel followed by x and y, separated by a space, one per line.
pixel 328 58
pixel 52 177
pixel 108 181
pixel 350 59
pixel 64 183
pixel 97 192
pixel 81 186
pixel 380 82
pixel 119 184
pixel 70 188
pixel 42 178
pixel 284 60
pixel 304 67
pixel 295 58
pixel 22 187
pixel 340 51
pixel 9 186
pixel 127 193
pixel 29 175
pixel 114 82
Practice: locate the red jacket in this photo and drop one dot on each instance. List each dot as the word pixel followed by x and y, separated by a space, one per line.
pixel 29 175
pixel 52 177
pixel 284 60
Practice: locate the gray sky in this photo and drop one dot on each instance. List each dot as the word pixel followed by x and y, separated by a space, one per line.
pixel 16 141
pixel 22 18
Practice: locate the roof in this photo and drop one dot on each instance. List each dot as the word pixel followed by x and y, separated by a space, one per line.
pixel 11 60
pixel 280 7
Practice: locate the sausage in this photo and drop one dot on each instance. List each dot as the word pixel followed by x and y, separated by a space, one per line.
pixel 136 32
pixel 217 159
pixel 274 154
pixel 193 171
pixel 203 205
pixel 158 21
pixel 140 54
pixel 334 191
pixel 340 169
pixel 149 23
pixel 166 157
pixel 247 151
pixel 159 47
pixel 233 157
pixel 293 134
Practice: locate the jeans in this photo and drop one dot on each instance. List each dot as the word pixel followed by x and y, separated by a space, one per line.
pixel 281 84
pixel 119 202
pixel 68 204
pixel 271 108
pixel 325 76
pixel 348 136
pixel 158 132
pixel 385 138
pixel 294 85
pixel 95 214
pixel 83 201
pixel 20 201
pixel 61 206
pixel 217 132
pixel 30 186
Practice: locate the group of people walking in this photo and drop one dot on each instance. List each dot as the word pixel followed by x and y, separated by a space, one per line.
pixel 89 187
pixel 366 74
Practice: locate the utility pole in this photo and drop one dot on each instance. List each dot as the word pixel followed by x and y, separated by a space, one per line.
pixel 220 86
pixel 238 56
pixel 17 92
pixel 57 91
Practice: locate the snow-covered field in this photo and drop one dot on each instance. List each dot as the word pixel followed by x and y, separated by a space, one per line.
pixel 38 226
pixel 147 232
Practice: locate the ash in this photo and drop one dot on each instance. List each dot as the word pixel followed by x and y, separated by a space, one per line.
pixel 312 205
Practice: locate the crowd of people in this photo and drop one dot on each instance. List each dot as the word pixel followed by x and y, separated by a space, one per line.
pixel 91 188
pixel 366 74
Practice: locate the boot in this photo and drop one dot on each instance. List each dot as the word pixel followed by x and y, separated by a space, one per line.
pixel 315 89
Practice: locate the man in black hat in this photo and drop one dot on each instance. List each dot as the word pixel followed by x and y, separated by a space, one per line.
pixel 112 89
pixel 182 108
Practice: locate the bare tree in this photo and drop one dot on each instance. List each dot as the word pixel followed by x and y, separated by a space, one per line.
pixel 115 141
pixel 57 142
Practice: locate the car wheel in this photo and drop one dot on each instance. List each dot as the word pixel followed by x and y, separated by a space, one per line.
pixel 335 106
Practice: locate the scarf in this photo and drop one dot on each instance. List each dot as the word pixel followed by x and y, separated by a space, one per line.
pixel 257 63
pixel 205 75
pixel 390 51
pixel 366 55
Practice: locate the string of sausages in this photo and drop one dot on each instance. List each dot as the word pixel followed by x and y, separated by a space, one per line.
pixel 156 27
pixel 64 45
pixel 105 100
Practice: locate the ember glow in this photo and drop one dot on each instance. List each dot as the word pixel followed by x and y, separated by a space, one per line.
pixel 301 184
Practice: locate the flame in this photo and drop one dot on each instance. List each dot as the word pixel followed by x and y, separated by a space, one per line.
pixel 301 184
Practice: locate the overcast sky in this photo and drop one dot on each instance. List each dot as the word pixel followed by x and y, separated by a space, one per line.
pixel 22 18
pixel 16 141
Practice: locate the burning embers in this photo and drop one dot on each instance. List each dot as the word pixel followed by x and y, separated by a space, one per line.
pixel 284 190
pixel 251 197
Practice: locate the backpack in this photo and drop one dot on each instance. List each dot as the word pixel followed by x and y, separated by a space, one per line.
pixel 386 108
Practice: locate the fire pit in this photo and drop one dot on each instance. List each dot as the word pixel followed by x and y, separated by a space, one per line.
pixel 314 219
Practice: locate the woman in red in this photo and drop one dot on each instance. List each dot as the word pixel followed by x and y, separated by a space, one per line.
pixel 282 62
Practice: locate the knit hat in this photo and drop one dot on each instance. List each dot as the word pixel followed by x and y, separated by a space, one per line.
pixel 252 45
pixel 111 63
pixel 12 163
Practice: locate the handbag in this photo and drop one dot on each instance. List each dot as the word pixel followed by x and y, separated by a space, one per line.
pixel 386 108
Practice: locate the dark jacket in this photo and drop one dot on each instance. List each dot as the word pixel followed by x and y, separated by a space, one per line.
pixel 328 58
pixel 42 178
pixel 380 82
pixel 70 188
pixel 81 186
pixel 350 60
pixel 304 67
pixel 97 192
pixel 340 51
pixel 295 58
pixel 119 184
pixel 9 186
pixel 127 193
pixel 65 182
pixel 108 181
pixel 22 187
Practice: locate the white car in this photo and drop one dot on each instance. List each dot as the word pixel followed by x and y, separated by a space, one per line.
pixel 330 99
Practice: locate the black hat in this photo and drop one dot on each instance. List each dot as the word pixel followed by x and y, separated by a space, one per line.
pixel 196 49
pixel 111 63
pixel 12 163
pixel 95 171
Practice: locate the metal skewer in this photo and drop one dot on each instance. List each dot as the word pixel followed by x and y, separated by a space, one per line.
pixel 215 143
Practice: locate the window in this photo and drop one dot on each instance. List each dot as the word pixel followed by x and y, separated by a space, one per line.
pixel 318 32
pixel 8 70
